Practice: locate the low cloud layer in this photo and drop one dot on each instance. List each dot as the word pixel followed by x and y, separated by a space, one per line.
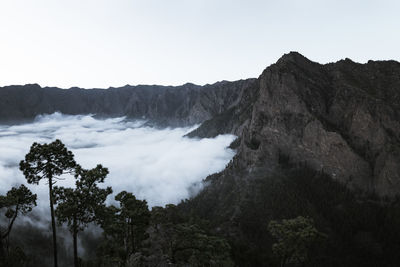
pixel 160 166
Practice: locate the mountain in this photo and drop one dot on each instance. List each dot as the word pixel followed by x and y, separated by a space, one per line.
pixel 320 141
pixel 341 118
pixel 184 105
pixel 314 140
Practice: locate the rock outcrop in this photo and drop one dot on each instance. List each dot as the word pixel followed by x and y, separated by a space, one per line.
pixel 319 141
pixel 341 118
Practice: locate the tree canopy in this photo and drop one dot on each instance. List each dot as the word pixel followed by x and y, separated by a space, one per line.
pixel 48 161
pixel 294 239
pixel 78 206
pixel 125 226
pixel 17 201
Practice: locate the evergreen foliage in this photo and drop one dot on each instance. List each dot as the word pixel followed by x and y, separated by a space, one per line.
pixel 48 161
pixel 78 207
pixel 17 201
pixel 124 227
pixel 294 239
pixel 272 220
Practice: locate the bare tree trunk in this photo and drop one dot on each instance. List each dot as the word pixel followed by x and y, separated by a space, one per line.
pixel 2 252
pixel 8 245
pixel 132 239
pixel 75 237
pixel 53 222
pixel 283 261
pixel 6 235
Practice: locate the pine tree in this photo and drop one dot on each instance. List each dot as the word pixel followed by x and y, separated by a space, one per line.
pixel 78 207
pixel 49 162
pixel 294 239
pixel 17 201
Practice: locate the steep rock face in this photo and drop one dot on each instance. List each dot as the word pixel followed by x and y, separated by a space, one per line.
pixel 301 127
pixel 165 105
pixel 341 118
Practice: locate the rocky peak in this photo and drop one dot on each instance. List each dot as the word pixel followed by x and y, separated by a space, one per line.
pixel 332 117
pixel 338 123
pixel 294 57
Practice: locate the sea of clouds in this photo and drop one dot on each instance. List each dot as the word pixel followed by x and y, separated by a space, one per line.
pixel 159 165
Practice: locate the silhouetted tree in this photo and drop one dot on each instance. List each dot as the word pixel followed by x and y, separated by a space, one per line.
pixel 17 201
pixel 111 251
pixel 125 227
pixel 294 239
pixel 135 216
pixel 77 207
pixel 48 161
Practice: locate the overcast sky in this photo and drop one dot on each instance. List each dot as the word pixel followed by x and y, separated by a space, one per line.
pixel 102 43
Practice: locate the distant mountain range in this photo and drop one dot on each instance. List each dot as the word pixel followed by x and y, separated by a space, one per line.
pixel 184 105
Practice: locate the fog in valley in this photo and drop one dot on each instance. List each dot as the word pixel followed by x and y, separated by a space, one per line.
pixel 159 165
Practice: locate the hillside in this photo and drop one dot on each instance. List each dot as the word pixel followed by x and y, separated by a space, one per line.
pixel 321 141
pixel 342 119
pixel 314 140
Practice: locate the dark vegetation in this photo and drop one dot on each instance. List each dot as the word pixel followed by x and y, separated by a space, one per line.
pixel 131 234
pixel 79 206
pixel 353 228
pixel 298 217
pixel 48 161
pixel 17 201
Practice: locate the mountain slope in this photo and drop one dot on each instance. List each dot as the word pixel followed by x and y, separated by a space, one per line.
pixel 165 105
pixel 319 141
pixel 329 116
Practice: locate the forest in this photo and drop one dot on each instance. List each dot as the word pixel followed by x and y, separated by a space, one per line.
pixel 301 219
pixel 125 228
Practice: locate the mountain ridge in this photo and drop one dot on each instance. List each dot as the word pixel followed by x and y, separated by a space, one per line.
pixel 342 118
pixel 314 140
pixel 165 105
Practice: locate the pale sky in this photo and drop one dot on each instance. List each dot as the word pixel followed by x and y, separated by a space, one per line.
pixel 103 43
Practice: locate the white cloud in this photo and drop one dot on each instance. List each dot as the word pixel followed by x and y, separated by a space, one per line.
pixel 160 166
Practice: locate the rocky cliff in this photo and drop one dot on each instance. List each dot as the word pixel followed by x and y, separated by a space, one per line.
pixel 320 141
pixel 164 105
pixel 341 118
